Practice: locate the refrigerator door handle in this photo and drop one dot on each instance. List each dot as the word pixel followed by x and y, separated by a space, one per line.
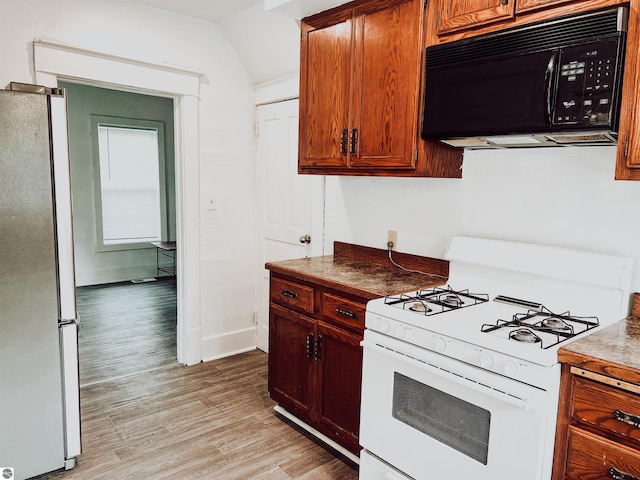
pixel 70 391
pixel 63 210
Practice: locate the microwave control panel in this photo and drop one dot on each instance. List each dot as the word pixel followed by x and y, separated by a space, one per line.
pixel 587 84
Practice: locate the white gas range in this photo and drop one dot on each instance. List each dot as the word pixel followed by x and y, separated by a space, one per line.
pixel 461 381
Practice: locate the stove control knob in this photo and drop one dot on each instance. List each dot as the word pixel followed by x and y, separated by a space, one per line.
pixel 384 325
pixel 509 368
pixel 398 331
pixel 485 360
pixel 439 344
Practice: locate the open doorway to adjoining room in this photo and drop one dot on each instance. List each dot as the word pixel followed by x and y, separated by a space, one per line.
pixel 123 184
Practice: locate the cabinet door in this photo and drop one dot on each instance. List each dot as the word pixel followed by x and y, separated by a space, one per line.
pixel 291 360
pixel 456 15
pixel 388 43
pixel 528 5
pixel 325 91
pixel 628 155
pixel 339 381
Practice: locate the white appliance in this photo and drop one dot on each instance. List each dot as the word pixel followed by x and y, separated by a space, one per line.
pixel 39 404
pixel 462 381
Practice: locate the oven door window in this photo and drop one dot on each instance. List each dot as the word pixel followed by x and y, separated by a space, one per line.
pixel 448 419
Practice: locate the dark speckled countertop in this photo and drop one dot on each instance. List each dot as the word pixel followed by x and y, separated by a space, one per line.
pixel 612 351
pixel 355 276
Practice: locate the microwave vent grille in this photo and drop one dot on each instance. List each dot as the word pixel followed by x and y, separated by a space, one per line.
pixel 550 34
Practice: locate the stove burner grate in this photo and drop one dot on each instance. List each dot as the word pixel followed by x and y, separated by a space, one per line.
pixel 436 300
pixel 556 328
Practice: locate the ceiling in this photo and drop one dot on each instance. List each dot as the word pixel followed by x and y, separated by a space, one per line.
pixel 210 10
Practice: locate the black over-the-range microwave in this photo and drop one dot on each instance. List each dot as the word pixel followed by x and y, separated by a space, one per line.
pixel 554 83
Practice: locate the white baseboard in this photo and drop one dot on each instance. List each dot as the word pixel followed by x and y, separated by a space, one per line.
pixel 227 344
pixel 112 275
pixel 354 458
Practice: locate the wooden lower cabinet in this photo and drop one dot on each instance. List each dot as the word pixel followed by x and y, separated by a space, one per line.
pixel 315 361
pixel 339 378
pixel 290 366
pixel 598 434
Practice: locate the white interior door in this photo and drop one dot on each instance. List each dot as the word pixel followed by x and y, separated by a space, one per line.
pixel 290 210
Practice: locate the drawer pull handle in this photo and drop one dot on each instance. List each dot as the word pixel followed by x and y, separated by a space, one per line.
pixel 289 293
pixel 346 313
pixel 632 420
pixel 618 475
pixel 310 345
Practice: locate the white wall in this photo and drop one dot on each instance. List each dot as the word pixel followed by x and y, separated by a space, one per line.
pixel 268 43
pixel 227 143
pixel 558 196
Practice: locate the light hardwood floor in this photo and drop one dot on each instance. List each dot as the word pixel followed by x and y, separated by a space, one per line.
pixel 144 416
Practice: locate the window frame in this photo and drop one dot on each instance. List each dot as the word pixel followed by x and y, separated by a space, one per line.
pixel 131 123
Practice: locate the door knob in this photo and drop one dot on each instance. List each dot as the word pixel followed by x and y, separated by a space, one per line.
pixel 305 239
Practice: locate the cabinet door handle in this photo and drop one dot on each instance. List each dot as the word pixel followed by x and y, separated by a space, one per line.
pixel 632 420
pixel 353 141
pixel 310 345
pixel 318 353
pixel 289 293
pixel 618 475
pixel 347 313
pixel 343 141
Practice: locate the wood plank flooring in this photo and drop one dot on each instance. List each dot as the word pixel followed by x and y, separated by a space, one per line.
pixel 214 420
pixel 126 328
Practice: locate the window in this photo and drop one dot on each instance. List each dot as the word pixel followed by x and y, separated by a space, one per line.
pixel 129 179
pixel 450 420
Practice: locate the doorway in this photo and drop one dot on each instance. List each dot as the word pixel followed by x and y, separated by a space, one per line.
pixel 55 62
pixel 121 147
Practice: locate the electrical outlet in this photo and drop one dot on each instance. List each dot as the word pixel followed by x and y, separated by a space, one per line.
pixel 392 240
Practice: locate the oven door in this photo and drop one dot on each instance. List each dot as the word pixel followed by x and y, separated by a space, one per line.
pixel 433 417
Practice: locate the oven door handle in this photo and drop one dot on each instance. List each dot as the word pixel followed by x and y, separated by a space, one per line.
pixel 522 403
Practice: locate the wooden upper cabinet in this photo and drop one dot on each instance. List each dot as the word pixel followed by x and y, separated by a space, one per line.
pixel 456 15
pixel 529 5
pixel 325 76
pixel 360 77
pixel 460 15
pixel 386 85
pixel 628 154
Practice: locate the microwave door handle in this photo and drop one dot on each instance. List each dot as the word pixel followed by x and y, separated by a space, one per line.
pixel 549 75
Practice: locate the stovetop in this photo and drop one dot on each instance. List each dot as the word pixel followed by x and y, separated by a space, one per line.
pixel 529 323
pixel 503 300
pixel 489 325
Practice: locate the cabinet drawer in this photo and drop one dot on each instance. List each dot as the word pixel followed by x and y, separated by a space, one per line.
pixel 292 294
pixel 593 458
pixel 342 311
pixel 607 408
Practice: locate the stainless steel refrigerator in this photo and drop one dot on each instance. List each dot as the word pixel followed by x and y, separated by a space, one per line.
pixel 39 387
